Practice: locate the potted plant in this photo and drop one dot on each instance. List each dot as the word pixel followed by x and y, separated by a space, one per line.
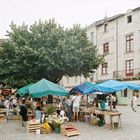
pixel 56 123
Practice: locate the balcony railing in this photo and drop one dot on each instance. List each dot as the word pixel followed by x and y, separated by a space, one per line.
pixel 133 73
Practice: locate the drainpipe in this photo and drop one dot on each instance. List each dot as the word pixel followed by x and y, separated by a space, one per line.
pixel 117 47
pixel 96 72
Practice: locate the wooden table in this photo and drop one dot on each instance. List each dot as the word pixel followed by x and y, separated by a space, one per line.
pixel 112 114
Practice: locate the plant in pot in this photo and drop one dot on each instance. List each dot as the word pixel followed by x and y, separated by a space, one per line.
pixel 56 123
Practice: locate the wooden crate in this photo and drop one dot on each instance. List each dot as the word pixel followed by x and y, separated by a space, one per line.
pixel 69 130
pixel 32 127
pixel 3 118
pixel 3 110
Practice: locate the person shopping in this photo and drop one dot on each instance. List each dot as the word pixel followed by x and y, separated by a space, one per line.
pixel 76 105
pixel 38 110
pixel 23 111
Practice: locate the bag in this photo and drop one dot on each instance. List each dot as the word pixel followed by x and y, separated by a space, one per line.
pixel 100 123
pixel 93 121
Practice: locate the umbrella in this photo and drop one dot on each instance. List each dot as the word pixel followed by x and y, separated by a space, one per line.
pixel 113 86
pixel 84 88
pixel 22 91
pixel 45 88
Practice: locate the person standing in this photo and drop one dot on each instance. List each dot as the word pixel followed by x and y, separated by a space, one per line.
pixel 7 105
pixel 69 104
pixel 114 101
pixel 58 106
pixel 133 102
pixel 23 111
pixel 14 103
pixel 76 105
pixel 64 105
pixel 38 110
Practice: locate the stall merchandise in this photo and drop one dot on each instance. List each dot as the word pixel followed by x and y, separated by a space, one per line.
pixel 46 128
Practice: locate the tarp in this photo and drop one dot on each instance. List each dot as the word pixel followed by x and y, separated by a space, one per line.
pixel 44 88
pixel 133 86
pixel 22 91
pixel 113 86
pixel 85 88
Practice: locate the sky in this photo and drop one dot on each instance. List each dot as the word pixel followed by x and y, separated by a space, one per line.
pixel 65 12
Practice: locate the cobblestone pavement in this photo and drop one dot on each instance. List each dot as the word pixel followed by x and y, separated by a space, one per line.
pixel 12 130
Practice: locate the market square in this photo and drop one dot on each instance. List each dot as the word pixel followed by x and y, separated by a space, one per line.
pixel 69 70
pixel 130 131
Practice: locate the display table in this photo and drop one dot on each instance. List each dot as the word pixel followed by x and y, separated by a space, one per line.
pixel 118 122
pixel 112 115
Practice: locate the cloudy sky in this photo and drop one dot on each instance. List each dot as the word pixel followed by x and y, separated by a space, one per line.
pixel 65 12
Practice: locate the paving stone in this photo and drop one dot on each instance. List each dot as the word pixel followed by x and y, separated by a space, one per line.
pixel 12 130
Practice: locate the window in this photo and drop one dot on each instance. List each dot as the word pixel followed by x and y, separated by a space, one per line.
pixel 106 48
pixel 105 27
pixel 104 68
pixel 92 36
pixel 129 67
pixel 124 93
pixel 129 43
pixel 129 19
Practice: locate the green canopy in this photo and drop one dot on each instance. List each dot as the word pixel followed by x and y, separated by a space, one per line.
pixel 44 87
pixel 22 91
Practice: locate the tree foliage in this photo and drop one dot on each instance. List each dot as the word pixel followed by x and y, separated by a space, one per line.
pixel 46 50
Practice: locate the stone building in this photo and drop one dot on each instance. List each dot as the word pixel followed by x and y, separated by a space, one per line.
pixel 118 38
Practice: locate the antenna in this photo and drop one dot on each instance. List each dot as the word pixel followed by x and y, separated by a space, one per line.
pixel 105 15
pixel 105 18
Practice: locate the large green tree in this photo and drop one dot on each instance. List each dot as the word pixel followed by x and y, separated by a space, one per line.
pixel 46 50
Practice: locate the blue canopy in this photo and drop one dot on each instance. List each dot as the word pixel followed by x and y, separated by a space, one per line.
pixel 113 86
pixel 84 88
pixel 133 86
